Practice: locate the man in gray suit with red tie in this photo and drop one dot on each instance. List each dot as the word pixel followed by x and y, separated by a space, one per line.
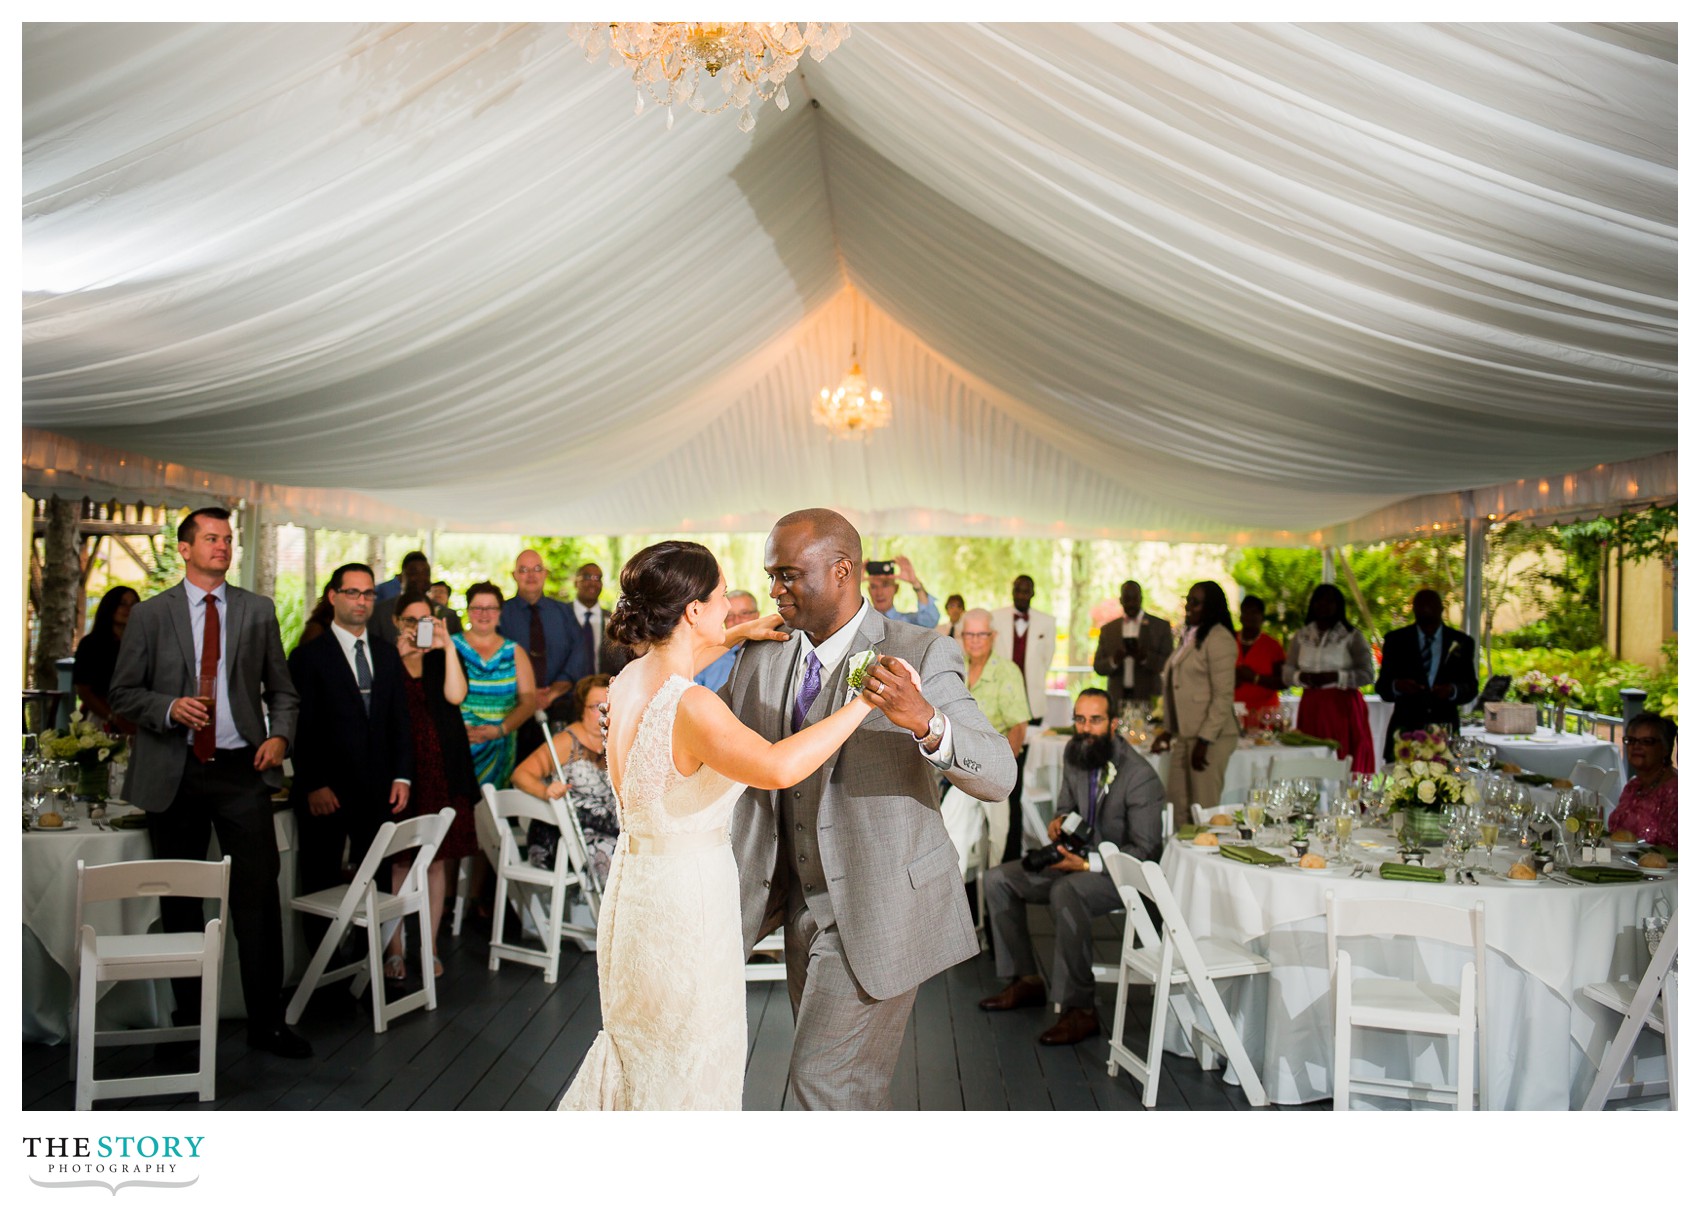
pixel 194 668
pixel 855 862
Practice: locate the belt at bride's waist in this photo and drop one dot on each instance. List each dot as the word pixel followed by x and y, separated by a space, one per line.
pixel 672 843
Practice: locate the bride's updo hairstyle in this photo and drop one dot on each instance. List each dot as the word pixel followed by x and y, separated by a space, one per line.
pixel 655 587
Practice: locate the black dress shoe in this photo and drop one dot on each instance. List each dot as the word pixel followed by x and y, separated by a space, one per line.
pixel 281 1041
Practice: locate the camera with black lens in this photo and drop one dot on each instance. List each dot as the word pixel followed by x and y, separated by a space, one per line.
pixel 1073 837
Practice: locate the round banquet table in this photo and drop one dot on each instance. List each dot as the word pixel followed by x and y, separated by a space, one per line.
pixel 1544 943
pixel 1043 777
pixel 1555 754
pixel 49 952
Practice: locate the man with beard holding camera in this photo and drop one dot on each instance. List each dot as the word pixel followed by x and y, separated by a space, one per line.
pixel 1109 793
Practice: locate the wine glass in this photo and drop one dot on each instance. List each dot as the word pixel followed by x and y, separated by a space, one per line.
pixel 1460 837
pixel 36 781
pixel 1345 820
pixel 1257 800
pixel 63 780
pixel 1281 804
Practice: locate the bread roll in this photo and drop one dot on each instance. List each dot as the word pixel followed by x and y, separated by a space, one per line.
pixel 1654 859
pixel 50 820
pixel 1623 835
pixel 1221 818
pixel 1206 839
pixel 1313 861
pixel 1521 871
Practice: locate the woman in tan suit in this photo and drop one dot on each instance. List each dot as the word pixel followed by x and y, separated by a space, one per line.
pixel 1198 701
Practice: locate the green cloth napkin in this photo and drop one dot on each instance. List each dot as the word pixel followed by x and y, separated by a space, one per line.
pixel 1304 739
pixel 1251 854
pixel 1187 832
pixel 133 820
pixel 1604 875
pixel 1405 871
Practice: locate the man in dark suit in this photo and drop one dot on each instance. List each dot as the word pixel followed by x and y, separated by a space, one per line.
pixel 1119 799
pixel 194 668
pixel 1132 651
pixel 354 748
pixel 1427 671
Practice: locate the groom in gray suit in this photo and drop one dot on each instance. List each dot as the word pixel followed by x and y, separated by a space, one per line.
pixel 855 862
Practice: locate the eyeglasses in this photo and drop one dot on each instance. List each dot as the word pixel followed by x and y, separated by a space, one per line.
pixel 1643 740
pixel 531 569
pixel 484 610
pixel 976 635
pixel 362 595
pixel 1090 719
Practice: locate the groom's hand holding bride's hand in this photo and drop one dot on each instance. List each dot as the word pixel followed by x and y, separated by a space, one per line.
pixel 895 688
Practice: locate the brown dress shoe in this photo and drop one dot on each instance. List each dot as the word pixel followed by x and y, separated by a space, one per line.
pixel 1022 991
pixel 1077 1023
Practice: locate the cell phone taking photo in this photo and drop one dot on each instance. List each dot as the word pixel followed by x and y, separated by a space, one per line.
pixel 426 635
pixel 881 568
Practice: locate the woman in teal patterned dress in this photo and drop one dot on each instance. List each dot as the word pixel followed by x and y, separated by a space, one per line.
pixel 501 692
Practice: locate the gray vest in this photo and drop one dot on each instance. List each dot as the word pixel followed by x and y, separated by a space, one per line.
pixel 799 806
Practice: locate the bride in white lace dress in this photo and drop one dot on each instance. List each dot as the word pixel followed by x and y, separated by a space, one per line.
pixel 669 959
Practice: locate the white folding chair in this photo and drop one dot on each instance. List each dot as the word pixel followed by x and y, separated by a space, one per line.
pixel 1305 766
pixel 581 849
pixel 1419 1006
pixel 1150 955
pixel 1109 974
pixel 773 968
pixel 1650 1003
pixel 361 903
pixel 147 957
pixel 1589 776
pixel 463 893
pixel 507 818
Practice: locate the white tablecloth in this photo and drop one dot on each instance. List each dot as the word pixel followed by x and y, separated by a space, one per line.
pixel 1544 943
pixel 49 954
pixel 1556 754
pixel 1043 777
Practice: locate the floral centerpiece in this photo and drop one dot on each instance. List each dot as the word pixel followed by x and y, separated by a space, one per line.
pixel 1422 785
pixel 91 748
pixel 1534 686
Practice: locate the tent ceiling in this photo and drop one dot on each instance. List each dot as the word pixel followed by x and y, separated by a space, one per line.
pixel 1219 281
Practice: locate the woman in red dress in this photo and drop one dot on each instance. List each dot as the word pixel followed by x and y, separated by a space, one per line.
pixel 442 758
pixel 1330 658
pixel 1257 673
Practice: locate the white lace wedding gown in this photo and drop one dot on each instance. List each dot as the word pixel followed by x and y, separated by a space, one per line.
pixel 669 957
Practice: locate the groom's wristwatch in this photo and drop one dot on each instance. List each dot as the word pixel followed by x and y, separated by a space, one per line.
pixel 935 729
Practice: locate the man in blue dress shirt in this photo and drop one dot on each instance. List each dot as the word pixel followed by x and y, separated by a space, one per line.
pixel 546 631
pixel 882 591
pixel 743 609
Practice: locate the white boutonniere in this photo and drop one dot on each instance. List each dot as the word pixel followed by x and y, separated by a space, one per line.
pixel 857 671
pixel 1109 778
pixel 1450 649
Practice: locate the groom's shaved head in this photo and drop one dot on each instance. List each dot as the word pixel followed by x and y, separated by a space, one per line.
pixel 831 531
pixel 813 562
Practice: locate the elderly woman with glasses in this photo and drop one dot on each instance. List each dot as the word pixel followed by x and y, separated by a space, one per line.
pixel 1647 808
pixel 501 692
pixel 1001 692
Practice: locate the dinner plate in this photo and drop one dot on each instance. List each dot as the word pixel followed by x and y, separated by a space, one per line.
pixel 53 828
pixel 1333 869
pixel 1505 881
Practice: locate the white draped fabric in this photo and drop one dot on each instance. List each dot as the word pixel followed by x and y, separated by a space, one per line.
pixel 1226 282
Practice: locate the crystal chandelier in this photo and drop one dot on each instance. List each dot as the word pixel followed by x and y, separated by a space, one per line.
pixel 853 410
pixel 710 65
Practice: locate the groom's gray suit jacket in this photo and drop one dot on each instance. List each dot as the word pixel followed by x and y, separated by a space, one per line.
pixel 890 867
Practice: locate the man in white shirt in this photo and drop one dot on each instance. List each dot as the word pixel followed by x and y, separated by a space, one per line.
pixel 1027 637
pixel 589 615
pixel 1132 651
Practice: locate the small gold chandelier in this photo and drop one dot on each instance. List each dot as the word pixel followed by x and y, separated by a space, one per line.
pixel 744 61
pixel 853 410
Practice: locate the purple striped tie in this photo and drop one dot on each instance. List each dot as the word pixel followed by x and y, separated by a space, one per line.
pixel 807 695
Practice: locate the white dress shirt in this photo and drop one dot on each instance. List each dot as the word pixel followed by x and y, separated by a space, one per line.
pixel 834 649
pixel 346 638
pixel 1130 631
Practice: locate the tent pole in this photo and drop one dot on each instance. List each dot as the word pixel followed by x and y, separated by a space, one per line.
pixel 1475 565
pixel 310 568
pixel 1327 565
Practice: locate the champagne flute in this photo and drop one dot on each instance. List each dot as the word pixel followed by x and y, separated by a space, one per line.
pixel 1255 800
pixel 1345 820
pixel 1488 820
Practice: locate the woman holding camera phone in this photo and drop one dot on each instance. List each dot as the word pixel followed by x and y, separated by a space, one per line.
pixel 442 759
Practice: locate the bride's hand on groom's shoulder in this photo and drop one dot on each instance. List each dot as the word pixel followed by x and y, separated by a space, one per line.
pixel 764 628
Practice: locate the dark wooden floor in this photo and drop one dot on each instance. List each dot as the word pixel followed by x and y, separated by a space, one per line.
pixel 506 1040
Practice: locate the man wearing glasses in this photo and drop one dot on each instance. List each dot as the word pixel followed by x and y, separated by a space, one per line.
pixel 741 608
pixel 547 632
pixel 1118 798
pixel 353 752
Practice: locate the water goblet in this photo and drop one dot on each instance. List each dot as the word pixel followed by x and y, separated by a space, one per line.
pixel 36 786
